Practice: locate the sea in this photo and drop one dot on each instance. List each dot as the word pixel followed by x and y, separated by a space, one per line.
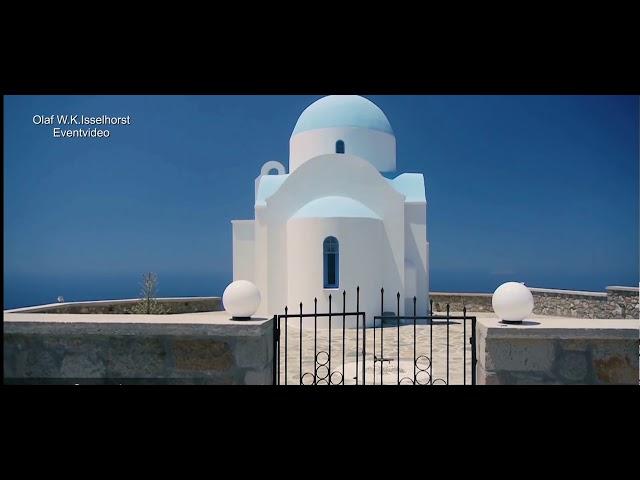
pixel 27 290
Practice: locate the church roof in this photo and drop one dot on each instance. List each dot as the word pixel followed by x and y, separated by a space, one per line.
pixel 343 111
pixel 333 207
pixel 411 185
pixel 269 184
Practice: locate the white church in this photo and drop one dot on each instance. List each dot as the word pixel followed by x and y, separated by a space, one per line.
pixel 334 222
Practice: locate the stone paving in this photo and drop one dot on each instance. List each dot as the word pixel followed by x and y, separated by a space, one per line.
pixel 430 343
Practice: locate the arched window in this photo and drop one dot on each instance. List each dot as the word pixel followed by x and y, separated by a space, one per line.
pixel 330 250
pixel 339 146
pixel 273 171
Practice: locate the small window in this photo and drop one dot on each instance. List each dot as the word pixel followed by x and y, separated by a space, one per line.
pixel 273 171
pixel 330 250
pixel 339 146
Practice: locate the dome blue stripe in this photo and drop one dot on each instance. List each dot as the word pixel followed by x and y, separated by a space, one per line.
pixel 343 111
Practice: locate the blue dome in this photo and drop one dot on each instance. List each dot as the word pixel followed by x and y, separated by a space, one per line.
pixel 343 111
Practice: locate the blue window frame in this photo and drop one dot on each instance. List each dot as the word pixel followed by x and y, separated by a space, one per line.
pixel 330 251
pixel 339 146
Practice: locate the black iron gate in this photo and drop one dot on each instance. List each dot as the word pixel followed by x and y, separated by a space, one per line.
pixel 414 366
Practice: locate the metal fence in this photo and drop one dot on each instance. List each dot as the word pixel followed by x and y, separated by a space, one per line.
pixel 310 351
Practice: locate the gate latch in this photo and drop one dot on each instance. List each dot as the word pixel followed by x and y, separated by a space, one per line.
pixel 381 359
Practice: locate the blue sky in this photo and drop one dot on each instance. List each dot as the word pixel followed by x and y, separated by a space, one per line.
pixel 540 189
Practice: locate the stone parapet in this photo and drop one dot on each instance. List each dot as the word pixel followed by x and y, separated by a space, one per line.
pixel 558 351
pixel 171 305
pixel 616 302
pixel 203 348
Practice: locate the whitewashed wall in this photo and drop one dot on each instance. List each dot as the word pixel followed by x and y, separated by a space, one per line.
pixel 378 147
pixel 243 250
pixel 417 255
pixel 363 250
pixel 322 176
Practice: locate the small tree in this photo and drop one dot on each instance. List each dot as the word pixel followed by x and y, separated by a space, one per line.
pixel 148 303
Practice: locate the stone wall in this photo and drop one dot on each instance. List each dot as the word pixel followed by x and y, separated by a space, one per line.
pixel 475 302
pixel 558 351
pixel 83 352
pixel 622 302
pixel 172 305
pixel 616 302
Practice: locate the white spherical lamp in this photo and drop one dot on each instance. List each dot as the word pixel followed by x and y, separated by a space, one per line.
pixel 241 299
pixel 512 302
